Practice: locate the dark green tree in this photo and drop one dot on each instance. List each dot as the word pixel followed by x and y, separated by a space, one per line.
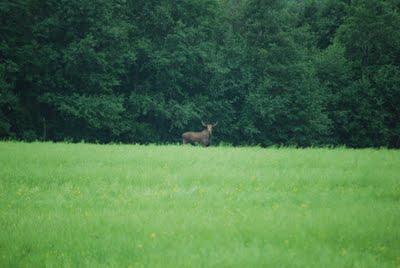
pixel 271 72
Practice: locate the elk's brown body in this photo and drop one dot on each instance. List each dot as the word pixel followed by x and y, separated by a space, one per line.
pixel 203 137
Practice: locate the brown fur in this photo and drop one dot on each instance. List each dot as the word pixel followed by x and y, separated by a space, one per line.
pixel 203 137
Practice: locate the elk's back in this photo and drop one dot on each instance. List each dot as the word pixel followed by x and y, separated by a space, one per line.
pixel 192 136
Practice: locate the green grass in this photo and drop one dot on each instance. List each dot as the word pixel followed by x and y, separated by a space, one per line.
pixel 84 205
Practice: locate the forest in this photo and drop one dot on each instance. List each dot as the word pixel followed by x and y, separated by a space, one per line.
pixel 270 72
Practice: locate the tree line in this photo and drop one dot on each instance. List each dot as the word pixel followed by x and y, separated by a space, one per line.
pixel 271 72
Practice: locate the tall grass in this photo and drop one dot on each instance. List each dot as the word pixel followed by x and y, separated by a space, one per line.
pixel 183 206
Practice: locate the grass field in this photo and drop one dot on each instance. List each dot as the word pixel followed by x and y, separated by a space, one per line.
pixel 184 206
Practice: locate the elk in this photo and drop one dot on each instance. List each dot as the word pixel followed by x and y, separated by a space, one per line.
pixel 203 137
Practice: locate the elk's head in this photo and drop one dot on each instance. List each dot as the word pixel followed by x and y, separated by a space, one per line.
pixel 209 127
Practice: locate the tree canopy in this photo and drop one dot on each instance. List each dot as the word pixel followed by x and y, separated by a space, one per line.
pixel 271 72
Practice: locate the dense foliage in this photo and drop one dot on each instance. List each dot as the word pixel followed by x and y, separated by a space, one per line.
pixel 317 72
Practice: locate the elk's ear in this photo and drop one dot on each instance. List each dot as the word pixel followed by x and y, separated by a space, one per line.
pixel 215 124
pixel 204 125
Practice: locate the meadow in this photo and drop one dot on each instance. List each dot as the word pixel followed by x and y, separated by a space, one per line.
pixel 86 205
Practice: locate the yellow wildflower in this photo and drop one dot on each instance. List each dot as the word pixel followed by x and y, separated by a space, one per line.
pixel 275 206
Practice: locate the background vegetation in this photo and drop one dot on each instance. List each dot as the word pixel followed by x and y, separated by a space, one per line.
pixel 286 72
pixel 82 205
